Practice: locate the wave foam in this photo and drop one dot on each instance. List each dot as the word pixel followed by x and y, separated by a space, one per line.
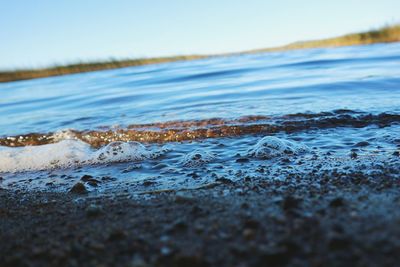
pixel 197 158
pixel 271 147
pixel 69 153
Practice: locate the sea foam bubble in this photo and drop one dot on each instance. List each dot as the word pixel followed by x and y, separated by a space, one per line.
pixel 197 158
pixel 271 147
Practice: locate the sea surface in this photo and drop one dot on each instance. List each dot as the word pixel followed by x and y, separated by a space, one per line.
pixel 190 124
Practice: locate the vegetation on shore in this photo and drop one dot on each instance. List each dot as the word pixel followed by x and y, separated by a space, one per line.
pixel 25 74
pixel 388 34
pixel 383 35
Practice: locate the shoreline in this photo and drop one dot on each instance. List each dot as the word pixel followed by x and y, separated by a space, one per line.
pixel 386 34
pixel 342 219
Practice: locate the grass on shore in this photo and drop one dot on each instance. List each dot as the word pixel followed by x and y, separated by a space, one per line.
pixel 383 35
pixel 388 34
pixel 25 74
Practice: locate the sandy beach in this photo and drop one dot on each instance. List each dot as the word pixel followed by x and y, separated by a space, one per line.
pixel 314 220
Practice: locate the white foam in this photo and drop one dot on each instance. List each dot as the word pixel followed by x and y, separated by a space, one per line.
pixel 271 146
pixel 69 153
pixel 64 135
pixel 197 158
pixel 121 151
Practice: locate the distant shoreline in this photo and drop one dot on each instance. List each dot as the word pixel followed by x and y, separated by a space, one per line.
pixel 386 34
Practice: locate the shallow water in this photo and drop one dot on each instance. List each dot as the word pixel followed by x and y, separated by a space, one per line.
pixel 200 121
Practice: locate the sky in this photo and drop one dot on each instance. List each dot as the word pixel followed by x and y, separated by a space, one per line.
pixel 40 33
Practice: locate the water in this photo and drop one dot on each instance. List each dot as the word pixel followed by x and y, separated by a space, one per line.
pixel 188 124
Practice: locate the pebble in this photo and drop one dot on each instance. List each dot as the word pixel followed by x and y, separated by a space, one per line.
pixel 93 182
pixel 166 251
pixel 339 243
pixel 290 203
pixel 224 180
pixel 242 160
pixel 337 202
pixel 362 144
pixel 78 188
pixel 93 210
pixel 86 177
pixel 274 257
pixel 138 261
pixel 108 178
pixel 178 225
pixel 248 234
pixel 117 235
pixel 251 224
pixel 148 183
pixel 182 197
pixel 189 260
pixel 193 175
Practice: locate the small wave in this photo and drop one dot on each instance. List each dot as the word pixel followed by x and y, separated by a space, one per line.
pixel 175 131
pixel 70 153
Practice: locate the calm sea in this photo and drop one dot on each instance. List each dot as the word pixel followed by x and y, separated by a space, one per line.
pixel 191 123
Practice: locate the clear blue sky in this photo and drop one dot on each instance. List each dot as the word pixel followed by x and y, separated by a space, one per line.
pixel 37 33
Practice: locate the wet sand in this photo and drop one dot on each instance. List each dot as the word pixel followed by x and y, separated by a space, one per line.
pixel 308 220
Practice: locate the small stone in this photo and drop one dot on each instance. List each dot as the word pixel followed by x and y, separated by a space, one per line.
pixel 181 197
pixel 93 182
pixel 242 160
pixel 78 188
pixel 166 251
pixel 275 257
pixel 339 243
pixel 245 206
pixel 108 178
pixel 192 261
pixel 251 224
pixel 337 202
pixel 97 246
pixel 180 224
pixel 148 183
pixel 86 177
pixel 224 180
pixel 177 226
pixel 165 238
pixel 353 155
pixel 248 234
pixel 93 210
pixel 138 261
pixel 362 144
pixel 290 203
pixel 193 175
pixel 199 228
pixel 117 235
